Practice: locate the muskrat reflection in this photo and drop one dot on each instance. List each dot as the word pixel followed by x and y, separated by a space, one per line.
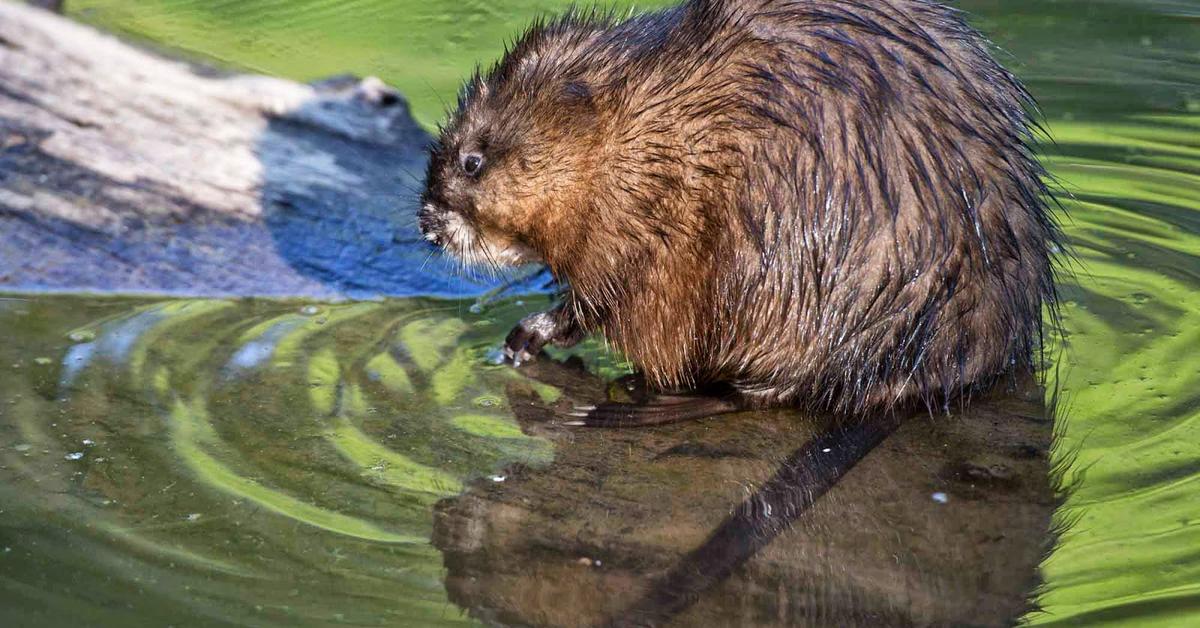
pixel 758 519
pixel 803 478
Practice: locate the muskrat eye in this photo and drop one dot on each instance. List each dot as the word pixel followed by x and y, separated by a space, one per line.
pixel 472 163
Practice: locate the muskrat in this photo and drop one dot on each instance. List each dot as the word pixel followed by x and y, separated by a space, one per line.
pixel 831 204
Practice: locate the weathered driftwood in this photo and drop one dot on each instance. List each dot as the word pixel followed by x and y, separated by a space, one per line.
pixel 945 523
pixel 123 171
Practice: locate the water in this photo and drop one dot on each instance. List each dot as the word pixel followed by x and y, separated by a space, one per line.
pixel 256 462
pixel 218 486
pixel 285 463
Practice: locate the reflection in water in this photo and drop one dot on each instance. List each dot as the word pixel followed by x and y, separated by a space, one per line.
pixel 240 461
pixel 113 342
pixel 709 524
pixel 802 478
pixel 261 347
pixel 282 464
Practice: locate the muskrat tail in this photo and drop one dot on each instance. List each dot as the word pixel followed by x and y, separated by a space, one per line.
pixel 802 478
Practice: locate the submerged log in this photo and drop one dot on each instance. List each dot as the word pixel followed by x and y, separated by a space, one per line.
pixel 124 171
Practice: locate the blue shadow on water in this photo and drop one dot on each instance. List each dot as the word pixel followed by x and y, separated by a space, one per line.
pixel 359 233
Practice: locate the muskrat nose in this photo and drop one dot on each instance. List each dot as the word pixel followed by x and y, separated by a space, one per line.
pixel 431 223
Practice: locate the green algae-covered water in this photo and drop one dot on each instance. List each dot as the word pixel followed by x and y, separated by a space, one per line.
pixel 240 461
pixel 199 462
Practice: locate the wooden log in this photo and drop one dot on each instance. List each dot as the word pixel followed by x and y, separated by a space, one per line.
pixel 124 171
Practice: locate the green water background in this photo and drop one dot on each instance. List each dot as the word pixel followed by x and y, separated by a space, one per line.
pixel 1120 85
pixel 262 462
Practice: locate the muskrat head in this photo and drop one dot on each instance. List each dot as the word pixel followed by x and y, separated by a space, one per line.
pixel 508 176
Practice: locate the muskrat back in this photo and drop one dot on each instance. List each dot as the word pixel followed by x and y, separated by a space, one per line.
pixel 828 203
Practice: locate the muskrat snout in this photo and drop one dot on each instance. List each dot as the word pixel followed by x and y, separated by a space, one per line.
pixel 432 222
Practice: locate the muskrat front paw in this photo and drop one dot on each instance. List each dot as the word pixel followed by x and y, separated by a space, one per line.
pixel 526 340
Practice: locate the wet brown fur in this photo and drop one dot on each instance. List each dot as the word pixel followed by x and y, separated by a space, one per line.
pixel 828 203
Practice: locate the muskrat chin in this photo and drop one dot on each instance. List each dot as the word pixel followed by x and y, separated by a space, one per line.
pixel 462 239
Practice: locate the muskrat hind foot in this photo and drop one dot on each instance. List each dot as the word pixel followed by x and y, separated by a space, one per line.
pixel 526 340
pixel 656 411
